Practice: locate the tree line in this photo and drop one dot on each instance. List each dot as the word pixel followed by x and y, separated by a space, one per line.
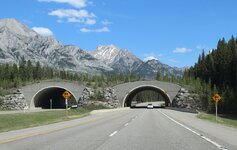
pixel 15 75
pixel 216 72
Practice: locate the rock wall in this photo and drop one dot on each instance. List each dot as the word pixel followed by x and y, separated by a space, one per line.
pixel 187 99
pixel 14 101
pixel 109 98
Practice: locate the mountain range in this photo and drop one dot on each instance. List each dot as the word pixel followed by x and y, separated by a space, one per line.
pixel 17 41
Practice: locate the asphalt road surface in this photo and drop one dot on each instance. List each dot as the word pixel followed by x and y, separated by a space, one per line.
pixel 131 129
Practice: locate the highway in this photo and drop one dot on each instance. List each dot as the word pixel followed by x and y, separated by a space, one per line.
pixel 127 129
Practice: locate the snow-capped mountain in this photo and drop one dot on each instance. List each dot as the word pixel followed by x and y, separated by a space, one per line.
pixel 17 40
pixel 107 54
pixel 124 61
pixel 121 60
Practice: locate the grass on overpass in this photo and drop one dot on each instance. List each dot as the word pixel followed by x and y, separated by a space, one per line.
pixel 10 122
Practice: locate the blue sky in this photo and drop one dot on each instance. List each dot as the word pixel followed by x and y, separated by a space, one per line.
pixel 172 31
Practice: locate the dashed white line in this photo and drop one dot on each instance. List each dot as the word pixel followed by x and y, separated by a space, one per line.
pixel 126 124
pixel 112 134
pixel 221 147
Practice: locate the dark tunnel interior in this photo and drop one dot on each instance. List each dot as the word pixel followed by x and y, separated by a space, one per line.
pixel 52 97
pixel 132 94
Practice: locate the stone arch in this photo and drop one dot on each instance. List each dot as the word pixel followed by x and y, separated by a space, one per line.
pixel 131 94
pixel 41 98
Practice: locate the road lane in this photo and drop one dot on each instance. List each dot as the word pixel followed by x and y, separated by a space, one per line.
pixel 151 130
pixel 128 129
pixel 221 134
pixel 87 134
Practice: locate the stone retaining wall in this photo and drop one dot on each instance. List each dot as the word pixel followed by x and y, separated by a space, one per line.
pixel 14 101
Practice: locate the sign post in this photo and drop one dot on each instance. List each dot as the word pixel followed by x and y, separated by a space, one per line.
pixel 66 103
pixel 216 98
pixel 66 95
pixel 51 104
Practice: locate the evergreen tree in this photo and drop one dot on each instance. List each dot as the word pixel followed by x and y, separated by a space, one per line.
pixel 219 67
pixel 22 69
pixel 37 71
pixel 158 75
pixel 29 71
pixel 121 77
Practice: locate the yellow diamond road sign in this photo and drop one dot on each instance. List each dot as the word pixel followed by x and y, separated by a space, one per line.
pixel 216 98
pixel 66 94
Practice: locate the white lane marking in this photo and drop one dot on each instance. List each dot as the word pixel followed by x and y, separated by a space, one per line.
pixel 112 134
pixel 221 147
pixel 126 124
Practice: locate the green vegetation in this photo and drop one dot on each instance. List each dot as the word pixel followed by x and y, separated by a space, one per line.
pixel 25 120
pixel 217 73
pixel 147 96
pixel 19 74
pixel 16 75
pixel 221 120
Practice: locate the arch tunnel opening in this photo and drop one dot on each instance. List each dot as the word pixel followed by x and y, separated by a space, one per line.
pixel 144 95
pixel 51 97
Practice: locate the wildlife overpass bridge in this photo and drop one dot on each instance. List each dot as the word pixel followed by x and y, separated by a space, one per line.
pixel 126 91
pixel 43 94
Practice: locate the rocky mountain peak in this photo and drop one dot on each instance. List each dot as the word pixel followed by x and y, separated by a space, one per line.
pixel 17 41
pixel 15 27
pixel 107 54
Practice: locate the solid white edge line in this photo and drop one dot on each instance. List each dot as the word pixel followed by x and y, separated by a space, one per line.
pixel 112 134
pixel 221 147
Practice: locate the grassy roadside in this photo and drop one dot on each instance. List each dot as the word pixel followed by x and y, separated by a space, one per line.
pixel 221 120
pixel 10 122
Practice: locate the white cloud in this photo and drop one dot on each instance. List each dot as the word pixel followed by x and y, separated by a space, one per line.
pixel 182 50
pixel 104 29
pixel 90 21
pixel 81 20
pixel 150 58
pixel 173 60
pixel 43 31
pixel 160 55
pixel 71 13
pixel 74 3
pixel 106 22
pixel 74 20
pixel 74 16
pixel 201 47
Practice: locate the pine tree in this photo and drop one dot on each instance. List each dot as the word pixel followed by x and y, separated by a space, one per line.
pixel 37 72
pixel 22 69
pixel 158 75
pixel 29 70
pixel 121 77
pixel 14 72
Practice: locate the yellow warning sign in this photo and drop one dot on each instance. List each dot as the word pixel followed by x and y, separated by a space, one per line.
pixel 66 94
pixel 216 98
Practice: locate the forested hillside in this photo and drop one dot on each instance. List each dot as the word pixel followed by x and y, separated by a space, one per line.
pixel 217 71
pixel 15 75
